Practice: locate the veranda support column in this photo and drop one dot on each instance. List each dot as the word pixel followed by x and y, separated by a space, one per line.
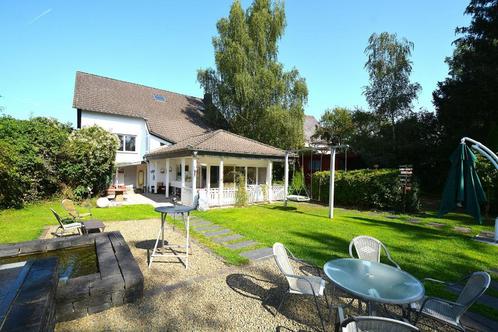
pixel 245 177
pixel 220 183
pixel 193 176
pixel 166 180
pixel 286 177
pixel 155 176
pixel 208 177
pixel 269 179
pixel 332 179
pixel 182 165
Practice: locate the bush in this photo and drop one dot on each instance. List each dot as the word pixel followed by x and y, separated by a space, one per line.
pixel 88 162
pixel 40 155
pixel 241 195
pixel 368 189
pixel 489 180
pixel 11 185
pixel 29 158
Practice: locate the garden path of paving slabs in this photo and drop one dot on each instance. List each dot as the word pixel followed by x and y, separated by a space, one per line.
pixel 227 238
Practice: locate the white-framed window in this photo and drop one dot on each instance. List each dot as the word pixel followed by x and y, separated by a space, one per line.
pixel 127 143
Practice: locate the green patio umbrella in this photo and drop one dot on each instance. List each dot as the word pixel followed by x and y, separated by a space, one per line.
pixel 463 187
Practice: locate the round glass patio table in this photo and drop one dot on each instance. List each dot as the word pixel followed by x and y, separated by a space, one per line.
pixel 374 282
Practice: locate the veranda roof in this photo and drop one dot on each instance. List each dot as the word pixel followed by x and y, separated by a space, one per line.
pixel 219 142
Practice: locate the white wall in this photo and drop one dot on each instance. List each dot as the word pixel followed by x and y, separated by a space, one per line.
pixel 118 124
pixel 155 142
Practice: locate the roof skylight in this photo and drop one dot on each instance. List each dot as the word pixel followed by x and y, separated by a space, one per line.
pixel 158 97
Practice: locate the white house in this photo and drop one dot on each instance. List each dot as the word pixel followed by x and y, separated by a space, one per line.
pixel 166 145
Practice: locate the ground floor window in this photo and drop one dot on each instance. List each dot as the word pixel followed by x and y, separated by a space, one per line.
pixel 251 175
pixel 228 175
pixel 261 175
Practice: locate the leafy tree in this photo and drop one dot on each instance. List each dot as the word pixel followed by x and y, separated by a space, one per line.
pixel 368 138
pixel 250 91
pixel 418 144
pixel 336 126
pixel 390 93
pixel 467 101
pixel 89 159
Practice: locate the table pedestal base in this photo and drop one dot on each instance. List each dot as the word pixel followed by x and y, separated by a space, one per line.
pixel 161 245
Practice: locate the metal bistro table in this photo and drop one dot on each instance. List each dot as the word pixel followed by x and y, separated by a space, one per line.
pixel 374 282
pixel 159 251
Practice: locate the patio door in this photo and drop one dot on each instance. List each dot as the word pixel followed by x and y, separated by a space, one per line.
pixel 121 175
pixel 202 177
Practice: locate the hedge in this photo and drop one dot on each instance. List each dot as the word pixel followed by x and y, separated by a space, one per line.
pixel 40 156
pixel 368 189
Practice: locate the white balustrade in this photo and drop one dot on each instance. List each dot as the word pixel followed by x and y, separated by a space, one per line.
pixel 255 194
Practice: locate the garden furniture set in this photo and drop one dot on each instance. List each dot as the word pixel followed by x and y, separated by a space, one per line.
pixel 365 278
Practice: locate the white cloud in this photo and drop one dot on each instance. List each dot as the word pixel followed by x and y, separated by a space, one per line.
pixel 46 12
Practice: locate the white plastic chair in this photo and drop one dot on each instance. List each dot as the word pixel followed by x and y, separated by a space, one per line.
pixel 371 324
pixel 369 248
pixel 298 284
pixel 450 312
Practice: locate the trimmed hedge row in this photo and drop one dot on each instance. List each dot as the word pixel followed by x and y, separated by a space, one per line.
pixel 368 189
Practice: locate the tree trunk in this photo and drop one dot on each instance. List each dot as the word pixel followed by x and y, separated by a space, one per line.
pixel 395 145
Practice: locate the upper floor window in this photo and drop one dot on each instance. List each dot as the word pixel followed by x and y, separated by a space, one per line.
pixel 127 143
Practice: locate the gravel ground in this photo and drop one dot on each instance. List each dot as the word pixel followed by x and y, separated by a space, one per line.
pixel 208 296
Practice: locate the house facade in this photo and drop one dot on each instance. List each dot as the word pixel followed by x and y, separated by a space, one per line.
pixel 166 146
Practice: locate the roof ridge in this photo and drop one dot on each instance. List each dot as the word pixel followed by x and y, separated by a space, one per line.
pixel 196 136
pixel 250 139
pixel 136 84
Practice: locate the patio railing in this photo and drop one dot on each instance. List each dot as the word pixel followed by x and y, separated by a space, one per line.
pixel 256 194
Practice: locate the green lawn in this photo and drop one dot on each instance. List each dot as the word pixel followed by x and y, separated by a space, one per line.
pixel 308 233
pixel 27 223
pixel 422 250
pixel 305 229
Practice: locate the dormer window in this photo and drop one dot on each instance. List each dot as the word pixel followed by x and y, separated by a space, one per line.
pixel 160 98
pixel 127 143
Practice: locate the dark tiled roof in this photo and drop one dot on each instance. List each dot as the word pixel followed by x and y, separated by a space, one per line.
pixel 218 142
pixel 310 123
pixel 175 119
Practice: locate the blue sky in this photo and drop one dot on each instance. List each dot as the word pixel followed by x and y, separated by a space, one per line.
pixel 163 43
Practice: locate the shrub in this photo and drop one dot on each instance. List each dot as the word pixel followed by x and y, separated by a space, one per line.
pixel 11 184
pixel 368 189
pixel 88 162
pixel 297 186
pixel 489 180
pixel 30 156
pixel 241 195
